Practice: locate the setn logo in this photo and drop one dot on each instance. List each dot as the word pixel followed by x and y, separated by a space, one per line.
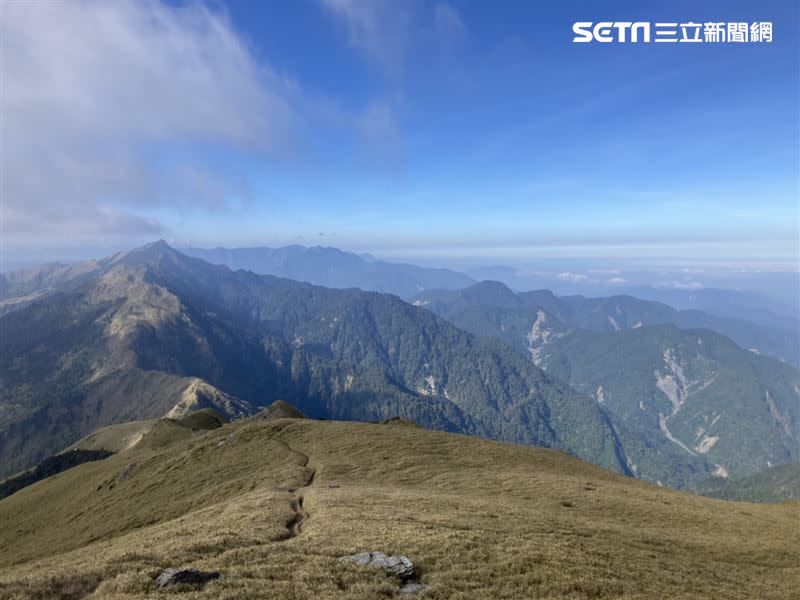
pixel 605 31
pixel 690 32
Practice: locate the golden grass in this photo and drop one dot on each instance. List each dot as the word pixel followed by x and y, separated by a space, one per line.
pixel 115 438
pixel 480 520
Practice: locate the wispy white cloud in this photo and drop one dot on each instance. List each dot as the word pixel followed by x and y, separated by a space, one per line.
pixel 392 35
pixel 617 280
pixel 679 285
pixel 570 277
pixel 379 29
pixel 388 33
pixel 107 105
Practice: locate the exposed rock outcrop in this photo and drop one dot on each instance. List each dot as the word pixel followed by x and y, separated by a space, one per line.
pixel 413 588
pixel 398 565
pixel 170 577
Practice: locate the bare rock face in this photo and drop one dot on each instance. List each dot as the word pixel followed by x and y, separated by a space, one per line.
pixel 172 577
pixel 398 565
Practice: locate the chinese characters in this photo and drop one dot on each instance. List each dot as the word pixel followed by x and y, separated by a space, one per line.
pixel 675 32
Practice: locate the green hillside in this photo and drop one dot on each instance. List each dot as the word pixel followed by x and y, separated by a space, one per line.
pixel 771 485
pixel 701 403
pixel 709 397
pixel 490 308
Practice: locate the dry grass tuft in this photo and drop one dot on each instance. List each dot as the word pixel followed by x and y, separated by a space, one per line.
pixel 63 587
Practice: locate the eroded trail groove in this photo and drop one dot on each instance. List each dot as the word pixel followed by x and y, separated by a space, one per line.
pixel 294 525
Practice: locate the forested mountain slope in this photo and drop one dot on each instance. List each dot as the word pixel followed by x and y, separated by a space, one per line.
pixel 158 332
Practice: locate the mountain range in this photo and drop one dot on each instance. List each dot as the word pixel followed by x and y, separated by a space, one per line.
pixel 334 268
pixel 655 369
pixel 480 308
pixel 153 332
pixel 733 304
pixel 329 267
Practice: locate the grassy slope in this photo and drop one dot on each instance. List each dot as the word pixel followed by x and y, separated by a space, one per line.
pixel 481 520
pixel 116 438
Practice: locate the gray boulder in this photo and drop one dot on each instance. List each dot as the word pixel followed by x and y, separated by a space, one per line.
pixel 413 588
pixel 399 565
pixel 188 576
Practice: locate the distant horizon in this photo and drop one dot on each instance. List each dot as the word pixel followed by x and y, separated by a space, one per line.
pixel 596 276
pixel 416 131
pixel 44 254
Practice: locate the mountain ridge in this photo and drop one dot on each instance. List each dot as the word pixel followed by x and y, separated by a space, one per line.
pixel 609 313
pixel 155 323
pixel 335 268
pixel 666 382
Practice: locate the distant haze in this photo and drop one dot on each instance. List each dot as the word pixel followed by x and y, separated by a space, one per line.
pixel 680 284
pixel 443 131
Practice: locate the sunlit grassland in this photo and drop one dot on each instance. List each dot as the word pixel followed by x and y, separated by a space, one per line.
pixel 480 519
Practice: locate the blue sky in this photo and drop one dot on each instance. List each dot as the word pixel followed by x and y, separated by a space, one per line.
pixel 422 130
